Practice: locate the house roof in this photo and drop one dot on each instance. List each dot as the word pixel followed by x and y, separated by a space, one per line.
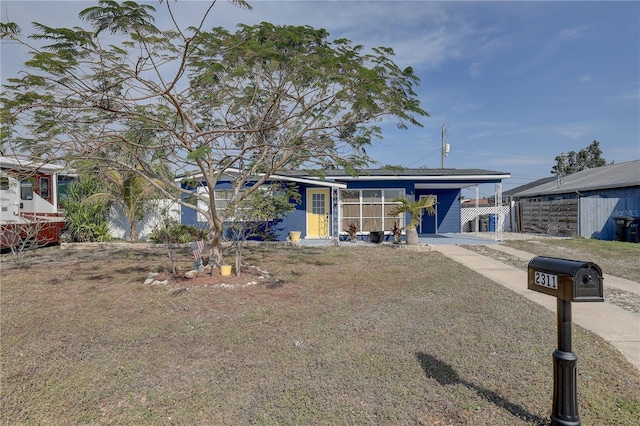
pixel 424 178
pixel 302 178
pixel 529 185
pixel 427 178
pixel 16 164
pixel 619 175
pixel 339 174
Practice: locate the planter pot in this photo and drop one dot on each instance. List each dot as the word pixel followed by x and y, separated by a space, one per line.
pixel 412 237
pixel 376 236
pixel 225 270
pixel 295 235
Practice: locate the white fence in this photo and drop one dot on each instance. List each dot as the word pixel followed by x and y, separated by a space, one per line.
pixel 468 218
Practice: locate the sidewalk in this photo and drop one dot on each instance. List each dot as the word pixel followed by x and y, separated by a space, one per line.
pixel 609 280
pixel 619 327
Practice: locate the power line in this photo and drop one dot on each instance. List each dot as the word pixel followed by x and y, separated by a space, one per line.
pixel 422 158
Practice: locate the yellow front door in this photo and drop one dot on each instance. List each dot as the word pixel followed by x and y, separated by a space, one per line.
pixel 318 213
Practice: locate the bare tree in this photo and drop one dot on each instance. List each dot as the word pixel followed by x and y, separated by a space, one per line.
pixel 24 234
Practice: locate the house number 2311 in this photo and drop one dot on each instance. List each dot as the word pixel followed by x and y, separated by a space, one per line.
pixel 546 280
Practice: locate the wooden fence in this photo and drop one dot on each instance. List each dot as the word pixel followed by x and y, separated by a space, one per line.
pixel 549 217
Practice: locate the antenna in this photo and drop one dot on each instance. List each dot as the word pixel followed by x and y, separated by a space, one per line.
pixel 445 146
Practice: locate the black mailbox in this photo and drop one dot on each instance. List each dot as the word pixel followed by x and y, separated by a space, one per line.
pixel 570 280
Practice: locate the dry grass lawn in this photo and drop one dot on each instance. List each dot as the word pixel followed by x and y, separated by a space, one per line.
pixel 348 335
pixel 614 257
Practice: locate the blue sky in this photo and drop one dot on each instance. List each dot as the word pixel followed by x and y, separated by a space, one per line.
pixel 515 83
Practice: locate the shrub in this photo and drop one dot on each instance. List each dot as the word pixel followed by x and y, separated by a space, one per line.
pixel 86 222
pixel 177 233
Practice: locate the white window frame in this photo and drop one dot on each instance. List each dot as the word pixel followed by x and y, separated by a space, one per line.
pixel 384 201
pixel 221 198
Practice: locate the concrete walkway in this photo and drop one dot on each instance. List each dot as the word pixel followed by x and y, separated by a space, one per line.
pixel 619 327
pixel 609 280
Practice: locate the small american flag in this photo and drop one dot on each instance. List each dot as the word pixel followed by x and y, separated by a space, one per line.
pixel 196 248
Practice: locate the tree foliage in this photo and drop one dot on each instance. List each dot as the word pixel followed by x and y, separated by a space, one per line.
pixel 587 158
pixel 86 221
pixel 129 190
pixel 259 215
pixel 212 104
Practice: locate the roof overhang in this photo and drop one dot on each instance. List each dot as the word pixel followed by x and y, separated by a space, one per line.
pixel 435 185
pixel 15 164
pixel 305 180
pixel 310 181
pixel 435 181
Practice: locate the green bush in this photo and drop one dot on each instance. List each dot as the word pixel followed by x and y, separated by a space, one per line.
pixel 86 222
pixel 176 233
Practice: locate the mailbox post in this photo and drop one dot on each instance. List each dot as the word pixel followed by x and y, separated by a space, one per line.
pixel 569 281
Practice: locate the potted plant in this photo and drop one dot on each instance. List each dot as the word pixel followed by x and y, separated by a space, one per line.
pixel 414 208
pixel 294 236
pixel 377 235
pixel 352 229
pixel 396 231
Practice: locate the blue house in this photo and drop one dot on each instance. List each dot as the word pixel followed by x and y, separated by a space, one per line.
pixel 330 203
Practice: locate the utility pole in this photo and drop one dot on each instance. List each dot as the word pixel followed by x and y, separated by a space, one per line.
pixel 445 146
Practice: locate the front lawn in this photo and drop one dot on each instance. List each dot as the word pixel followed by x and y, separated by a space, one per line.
pixel 348 335
pixel 614 257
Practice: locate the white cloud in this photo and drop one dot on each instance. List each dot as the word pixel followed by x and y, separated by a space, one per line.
pixel 570 33
pixel 632 95
pixel 574 131
pixel 584 79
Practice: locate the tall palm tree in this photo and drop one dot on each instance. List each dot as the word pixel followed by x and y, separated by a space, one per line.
pixel 414 208
pixel 132 192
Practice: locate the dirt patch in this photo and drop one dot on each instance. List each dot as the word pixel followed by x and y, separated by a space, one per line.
pixel 249 275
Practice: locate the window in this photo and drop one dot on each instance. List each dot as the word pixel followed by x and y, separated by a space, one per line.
pixel 64 183
pixel 26 190
pixel 44 188
pixel 370 207
pixel 4 183
pixel 318 204
pixel 222 197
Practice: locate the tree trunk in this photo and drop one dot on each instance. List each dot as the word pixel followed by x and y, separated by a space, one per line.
pixel 215 255
pixel 412 237
pixel 133 237
pixel 238 256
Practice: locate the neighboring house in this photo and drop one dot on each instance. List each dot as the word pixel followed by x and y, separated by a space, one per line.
pixel 482 202
pixel 330 203
pixel 507 196
pixel 585 203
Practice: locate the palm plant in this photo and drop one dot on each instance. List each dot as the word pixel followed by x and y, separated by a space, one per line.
pixel 414 208
pixel 86 220
pixel 131 191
